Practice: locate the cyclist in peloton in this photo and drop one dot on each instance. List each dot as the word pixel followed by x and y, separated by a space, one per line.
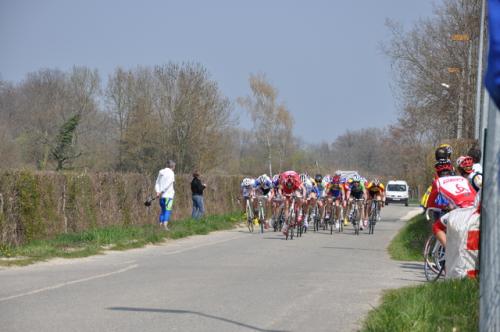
pixel 375 190
pixel 276 203
pixel 320 188
pixel 291 185
pixel 355 188
pixel 247 191
pixel 465 168
pixel 324 183
pixel 311 195
pixel 335 193
pixel 448 192
pixel 263 187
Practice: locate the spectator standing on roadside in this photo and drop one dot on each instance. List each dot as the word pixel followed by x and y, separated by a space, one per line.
pixel 164 188
pixel 197 189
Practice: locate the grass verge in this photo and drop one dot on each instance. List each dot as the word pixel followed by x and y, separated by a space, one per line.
pixel 451 305
pixel 95 241
pixel 408 244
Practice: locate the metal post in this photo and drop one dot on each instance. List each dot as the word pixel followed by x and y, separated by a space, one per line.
pixel 484 120
pixel 479 77
pixel 460 117
pixel 489 312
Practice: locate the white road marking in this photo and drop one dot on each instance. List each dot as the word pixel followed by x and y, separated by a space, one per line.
pixel 36 291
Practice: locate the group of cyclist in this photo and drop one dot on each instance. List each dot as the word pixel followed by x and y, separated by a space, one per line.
pixel 323 192
pixel 453 187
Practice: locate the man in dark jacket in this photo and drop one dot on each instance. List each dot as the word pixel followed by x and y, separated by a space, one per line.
pixel 197 189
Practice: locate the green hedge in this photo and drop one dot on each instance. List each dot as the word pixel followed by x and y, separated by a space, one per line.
pixel 41 205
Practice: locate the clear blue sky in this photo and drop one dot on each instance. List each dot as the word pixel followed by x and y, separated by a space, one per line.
pixel 323 56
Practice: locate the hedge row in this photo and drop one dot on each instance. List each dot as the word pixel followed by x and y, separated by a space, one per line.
pixel 39 205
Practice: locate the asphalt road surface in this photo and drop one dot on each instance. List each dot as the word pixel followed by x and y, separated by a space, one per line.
pixel 226 281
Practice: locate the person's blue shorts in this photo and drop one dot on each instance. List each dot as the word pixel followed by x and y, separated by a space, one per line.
pixel 166 209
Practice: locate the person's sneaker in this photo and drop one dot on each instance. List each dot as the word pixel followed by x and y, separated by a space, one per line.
pixel 378 217
pixel 165 225
pixel 365 223
pixel 360 227
pixel 337 225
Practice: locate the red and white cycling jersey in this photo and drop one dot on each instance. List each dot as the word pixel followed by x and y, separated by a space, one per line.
pixel 296 182
pixel 457 190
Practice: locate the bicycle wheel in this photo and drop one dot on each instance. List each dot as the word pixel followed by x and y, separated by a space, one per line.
pixel 433 259
pixel 355 222
pixel 341 219
pixel 249 214
pixel 372 218
pixel 281 218
pixel 316 218
pixel 262 219
pixel 332 219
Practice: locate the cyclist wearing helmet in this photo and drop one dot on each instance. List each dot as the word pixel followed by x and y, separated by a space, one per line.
pixel 443 152
pixel 247 191
pixel 465 168
pixel 375 190
pixel 319 190
pixel 355 188
pixel 335 193
pixel 290 184
pixel 449 192
pixel 311 194
pixel 263 187
pixel 318 181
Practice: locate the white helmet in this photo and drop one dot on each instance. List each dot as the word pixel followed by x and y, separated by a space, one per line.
pixel 247 182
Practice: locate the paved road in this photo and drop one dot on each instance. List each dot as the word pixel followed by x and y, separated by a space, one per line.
pixel 227 281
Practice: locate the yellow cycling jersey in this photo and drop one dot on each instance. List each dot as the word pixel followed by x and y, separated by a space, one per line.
pixel 375 189
pixel 425 197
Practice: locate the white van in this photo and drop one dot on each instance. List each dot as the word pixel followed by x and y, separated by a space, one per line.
pixel 397 192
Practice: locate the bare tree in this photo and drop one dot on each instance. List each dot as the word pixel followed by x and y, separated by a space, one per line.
pixel 272 123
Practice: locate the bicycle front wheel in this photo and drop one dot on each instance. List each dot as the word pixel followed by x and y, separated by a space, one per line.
pixel 249 215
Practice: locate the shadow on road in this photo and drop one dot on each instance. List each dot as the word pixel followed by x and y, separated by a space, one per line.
pixel 189 312
pixel 413 266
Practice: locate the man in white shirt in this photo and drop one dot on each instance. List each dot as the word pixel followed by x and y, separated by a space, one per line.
pixel 164 188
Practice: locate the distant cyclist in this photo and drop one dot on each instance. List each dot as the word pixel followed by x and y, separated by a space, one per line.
pixel 290 185
pixel 355 189
pixel 263 187
pixel 375 190
pixel 247 191
pixel 336 196
pixel 311 195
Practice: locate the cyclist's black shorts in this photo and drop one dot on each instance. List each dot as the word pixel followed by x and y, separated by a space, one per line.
pixel 265 191
pixel 357 194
